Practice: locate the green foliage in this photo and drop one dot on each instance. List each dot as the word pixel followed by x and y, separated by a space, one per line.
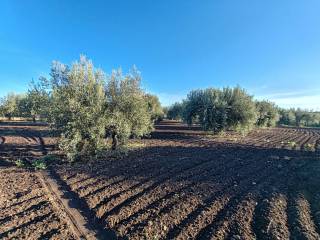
pixel 39 164
pixel 299 118
pixel 267 114
pixel 165 111
pixel 292 144
pixel 287 117
pixel 241 113
pixel 127 112
pixel 20 163
pixel 208 108
pixel 32 104
pixel 12 105
pixel 86 107
pixel 309 147
pixel 50 158
pixel 38 99
pixel 154 107
pixel 78 102
pixel 176 111
pixel 218 110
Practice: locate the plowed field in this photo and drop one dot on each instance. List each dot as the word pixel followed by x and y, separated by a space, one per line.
pixel 184 184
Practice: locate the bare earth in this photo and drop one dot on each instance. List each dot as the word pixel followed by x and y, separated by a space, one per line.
pixel 179 184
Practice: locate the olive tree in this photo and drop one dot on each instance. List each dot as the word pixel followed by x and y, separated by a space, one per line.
pixel 287 117
pixel 154 107
pixel 241 109
pixel 175 111
pixel 38 99
pixel 127 113
pixel 208 108
pixel 10 105
pixel 267 114
pixel 77 112
pixel 219 110
pixel 300 116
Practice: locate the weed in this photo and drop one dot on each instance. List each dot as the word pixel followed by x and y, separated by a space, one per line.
pixel 309 147
pixel 39 164
pixel 292 144
pixel 20 163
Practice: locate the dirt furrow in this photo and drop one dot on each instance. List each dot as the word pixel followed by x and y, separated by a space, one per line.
pixel 301 224
pixel 270 220
pixel 34 216
pixel 203 214
pixel 151 195
pixel 11 214
pixel 213 176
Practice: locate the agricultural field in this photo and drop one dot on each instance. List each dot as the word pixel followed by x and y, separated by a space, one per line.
pixel 180 183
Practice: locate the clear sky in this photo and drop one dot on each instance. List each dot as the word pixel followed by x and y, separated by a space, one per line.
pixel 272 48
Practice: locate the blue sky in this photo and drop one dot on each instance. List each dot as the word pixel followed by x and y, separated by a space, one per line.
pixel 272 48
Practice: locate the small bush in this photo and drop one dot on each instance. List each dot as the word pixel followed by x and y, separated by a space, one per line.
pixel 292 144
pixel 309 147
pixel 20 163
pixel 39 164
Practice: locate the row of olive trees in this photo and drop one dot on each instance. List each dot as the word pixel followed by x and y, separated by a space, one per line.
pixel 218 110
pixel 33 104
pixel 85 106
pixel 299 118
pixel 12 105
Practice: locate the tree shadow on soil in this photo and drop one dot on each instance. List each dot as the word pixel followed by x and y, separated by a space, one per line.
pixel 38 129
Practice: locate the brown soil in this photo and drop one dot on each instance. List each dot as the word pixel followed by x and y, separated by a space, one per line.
pixel 187 184
pixel 25 209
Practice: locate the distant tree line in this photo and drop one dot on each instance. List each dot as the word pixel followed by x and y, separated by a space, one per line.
pixel 87 107
pixel 299 117
pixel 224 109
